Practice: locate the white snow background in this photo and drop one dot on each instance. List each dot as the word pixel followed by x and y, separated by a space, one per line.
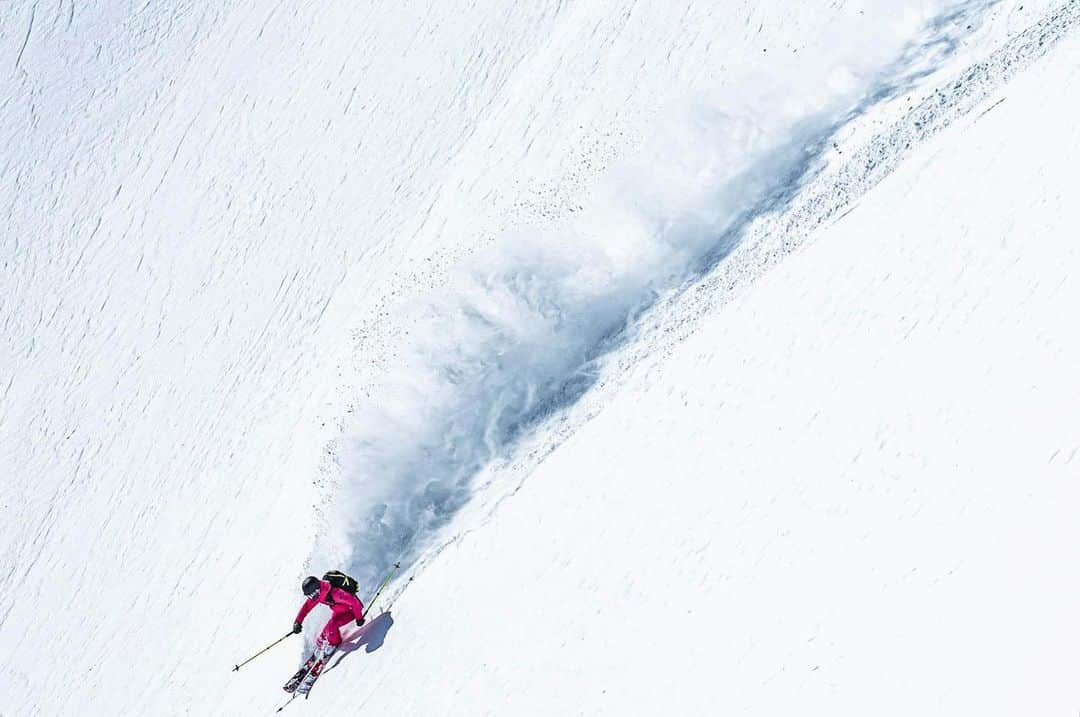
pixel 691 357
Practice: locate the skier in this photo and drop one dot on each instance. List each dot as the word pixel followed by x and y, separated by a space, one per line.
pixel 339 592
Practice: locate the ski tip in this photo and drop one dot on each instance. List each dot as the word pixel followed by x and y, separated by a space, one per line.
pixel 236 668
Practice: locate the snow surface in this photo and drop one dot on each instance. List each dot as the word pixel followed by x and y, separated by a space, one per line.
pixel 692 359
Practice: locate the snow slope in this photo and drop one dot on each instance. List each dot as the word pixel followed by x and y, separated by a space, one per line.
pixel 850 491
pixel 816 487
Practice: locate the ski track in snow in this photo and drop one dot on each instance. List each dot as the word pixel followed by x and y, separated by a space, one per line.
pixel 769 239
pixel 765 240
pixel 805 195
pixel 26 39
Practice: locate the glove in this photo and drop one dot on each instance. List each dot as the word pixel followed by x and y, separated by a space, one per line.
pixel 296 628
pixel 360 622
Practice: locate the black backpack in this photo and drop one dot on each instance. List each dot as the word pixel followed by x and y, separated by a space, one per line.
pixel 340 580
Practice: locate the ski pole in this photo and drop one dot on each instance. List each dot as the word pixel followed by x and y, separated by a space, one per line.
pixel 237 667
pixel 384 582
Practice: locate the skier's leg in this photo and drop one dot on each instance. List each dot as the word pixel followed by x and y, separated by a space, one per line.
pixel 325 646
pixel 296 679
pixel 332 632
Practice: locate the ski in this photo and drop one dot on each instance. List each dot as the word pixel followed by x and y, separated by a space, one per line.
pixel 296 679
pixel 305 677
pixel 309 679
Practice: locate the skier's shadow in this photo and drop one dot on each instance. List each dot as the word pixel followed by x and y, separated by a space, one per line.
pixel 371 637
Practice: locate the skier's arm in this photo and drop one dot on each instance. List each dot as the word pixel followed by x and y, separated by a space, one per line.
pixel 356 606
pixel 307 607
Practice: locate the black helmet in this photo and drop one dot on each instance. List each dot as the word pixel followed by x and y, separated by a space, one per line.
pixel 311 586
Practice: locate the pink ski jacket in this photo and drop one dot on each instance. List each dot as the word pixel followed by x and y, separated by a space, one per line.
pixel 339 601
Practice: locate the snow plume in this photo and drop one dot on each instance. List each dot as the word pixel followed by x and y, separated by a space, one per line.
pixel 520 330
